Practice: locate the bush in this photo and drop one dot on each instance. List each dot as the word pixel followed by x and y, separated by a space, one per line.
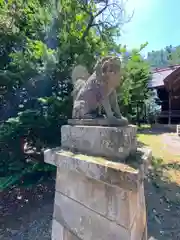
pixel 39 129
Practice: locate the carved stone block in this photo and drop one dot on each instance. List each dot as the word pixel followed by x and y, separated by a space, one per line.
pixel 98 199
pixel 99 122
pixel 112 142
pixel 99 184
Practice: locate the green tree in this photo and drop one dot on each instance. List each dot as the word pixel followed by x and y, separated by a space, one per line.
pixel 40 43
pixel 174 56
pixel 134 90
pixel 165 57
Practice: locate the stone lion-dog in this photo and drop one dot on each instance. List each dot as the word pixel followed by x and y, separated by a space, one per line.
pixel 97 90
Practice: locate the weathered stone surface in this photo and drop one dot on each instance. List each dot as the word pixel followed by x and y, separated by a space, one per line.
pixel 99 199
pixel 141 198
pixel 139 225
pixel 145 236
pixel 61 233
pixel 99 122
pixel 50 155
pixel 85 223
pixel 139 228
pixel 118 174
pixel 133 207
pixel 69 236
pixel 146 157
pixel 57 230
pixel 112 142
pixel 114 203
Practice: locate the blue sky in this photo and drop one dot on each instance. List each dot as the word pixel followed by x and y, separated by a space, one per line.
pixel 155 21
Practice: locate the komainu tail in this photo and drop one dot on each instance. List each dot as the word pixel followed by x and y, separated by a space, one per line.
pixel 79 73
pixel 79 76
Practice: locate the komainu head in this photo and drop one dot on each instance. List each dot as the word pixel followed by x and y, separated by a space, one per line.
pixel 109 69
pixel 107 65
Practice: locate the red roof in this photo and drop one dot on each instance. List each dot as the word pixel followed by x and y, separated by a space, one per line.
pixel 166 68
pixel 172 82
pixel 160 74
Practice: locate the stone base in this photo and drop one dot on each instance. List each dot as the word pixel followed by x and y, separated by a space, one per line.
pixel 99 122
pixel 178 130
pixel 98 199
pixel 113 142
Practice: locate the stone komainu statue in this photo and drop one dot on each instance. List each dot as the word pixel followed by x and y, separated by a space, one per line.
pixel 97 90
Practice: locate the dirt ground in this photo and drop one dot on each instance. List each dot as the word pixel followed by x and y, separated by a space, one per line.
pixel 163 184
pixel 26 214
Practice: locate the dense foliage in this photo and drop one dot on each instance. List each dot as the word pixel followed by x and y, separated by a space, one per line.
pixel 165 57
pixel 135 91
pixel 40 42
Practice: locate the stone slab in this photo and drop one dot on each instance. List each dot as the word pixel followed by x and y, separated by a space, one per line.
pixel 114 203
pixel 112 142
pixel 57 231
pixel 118 174
pixel 61 233
pixel 69 236
pixel 145 235
pixel 85 223
pixel 139 226
pixel 99 122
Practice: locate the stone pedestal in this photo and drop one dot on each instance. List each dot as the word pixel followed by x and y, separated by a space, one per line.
pixel 111 142
pixel 98 199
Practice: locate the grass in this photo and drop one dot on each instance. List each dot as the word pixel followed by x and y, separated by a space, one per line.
pixel 159 147
pixel 165 172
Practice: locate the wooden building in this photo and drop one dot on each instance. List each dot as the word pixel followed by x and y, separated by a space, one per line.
pixel 167 83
